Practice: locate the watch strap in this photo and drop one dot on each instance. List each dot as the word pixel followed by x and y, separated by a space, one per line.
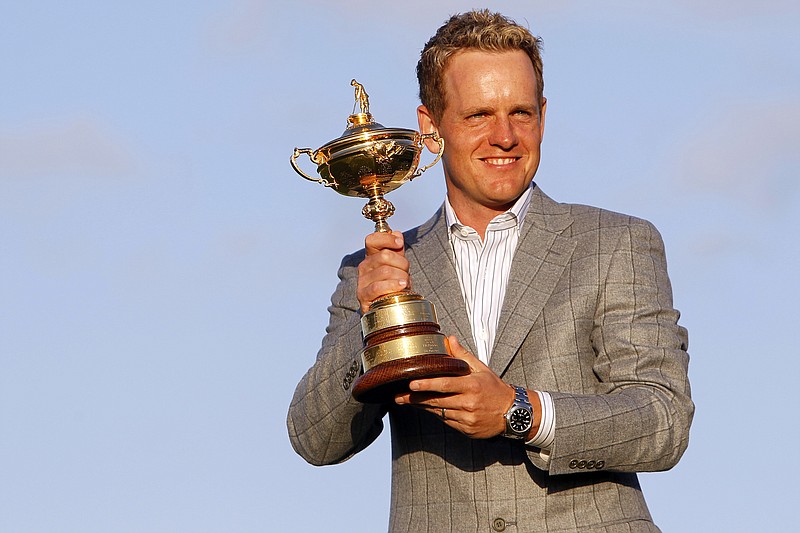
pixel 521 401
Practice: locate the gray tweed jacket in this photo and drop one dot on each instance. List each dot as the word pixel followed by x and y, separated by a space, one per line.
pixel 588 317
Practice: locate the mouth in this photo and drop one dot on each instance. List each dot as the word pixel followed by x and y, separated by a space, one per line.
pixel 500 161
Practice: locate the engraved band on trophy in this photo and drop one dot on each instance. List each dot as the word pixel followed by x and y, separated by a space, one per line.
pixel 400 331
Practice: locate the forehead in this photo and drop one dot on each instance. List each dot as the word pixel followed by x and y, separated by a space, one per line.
pixel 477 77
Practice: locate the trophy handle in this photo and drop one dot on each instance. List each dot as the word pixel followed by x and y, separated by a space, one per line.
pixel 310 153
pixel 435 137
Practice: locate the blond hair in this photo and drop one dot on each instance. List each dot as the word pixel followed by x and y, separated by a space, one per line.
pixel 478 30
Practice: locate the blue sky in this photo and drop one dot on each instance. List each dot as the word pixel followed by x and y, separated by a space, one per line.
pixel 164 274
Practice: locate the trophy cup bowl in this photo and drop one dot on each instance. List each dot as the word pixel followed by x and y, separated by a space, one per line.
pixel 401 335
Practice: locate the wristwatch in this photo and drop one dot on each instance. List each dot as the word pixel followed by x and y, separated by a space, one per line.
pixel 519 418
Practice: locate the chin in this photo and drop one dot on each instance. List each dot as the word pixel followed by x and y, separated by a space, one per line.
pixel 505 195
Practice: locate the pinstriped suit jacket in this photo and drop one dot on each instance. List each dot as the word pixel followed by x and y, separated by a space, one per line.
pixel 588 317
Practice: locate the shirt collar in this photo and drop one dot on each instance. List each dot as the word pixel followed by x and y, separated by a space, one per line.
pixel 517 211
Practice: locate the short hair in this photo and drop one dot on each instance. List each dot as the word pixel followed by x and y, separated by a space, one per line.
pixel 478 30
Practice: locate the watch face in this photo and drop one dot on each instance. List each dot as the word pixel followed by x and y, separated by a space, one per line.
pixel 520 420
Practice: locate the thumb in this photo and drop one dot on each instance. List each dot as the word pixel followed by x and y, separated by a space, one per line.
pixel 460 352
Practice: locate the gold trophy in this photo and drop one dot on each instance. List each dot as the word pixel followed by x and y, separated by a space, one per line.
pixel 401 335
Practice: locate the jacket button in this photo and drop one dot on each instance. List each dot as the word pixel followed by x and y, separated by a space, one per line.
pixel 573 463
pixel 498 524
pixel 599 464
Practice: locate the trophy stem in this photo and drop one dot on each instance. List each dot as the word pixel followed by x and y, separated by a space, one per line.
pixel 378 209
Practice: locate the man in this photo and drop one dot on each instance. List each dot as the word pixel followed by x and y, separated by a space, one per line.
pixel 567 308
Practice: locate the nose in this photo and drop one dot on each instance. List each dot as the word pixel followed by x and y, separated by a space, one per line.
pixel 503 134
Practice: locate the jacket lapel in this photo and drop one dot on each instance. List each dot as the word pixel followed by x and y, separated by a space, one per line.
pixel 433 275
pixel 541 257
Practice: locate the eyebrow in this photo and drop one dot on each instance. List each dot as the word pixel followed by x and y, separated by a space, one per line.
pixel 477 110
pixel 533 108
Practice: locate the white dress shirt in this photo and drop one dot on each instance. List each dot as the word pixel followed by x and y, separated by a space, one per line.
pixel 483 268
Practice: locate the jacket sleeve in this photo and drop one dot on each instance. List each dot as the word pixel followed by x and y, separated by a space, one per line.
pixel 638 416
pixel 326 425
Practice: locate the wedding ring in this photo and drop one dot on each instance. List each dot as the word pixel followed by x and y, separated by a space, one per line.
pixel 444 417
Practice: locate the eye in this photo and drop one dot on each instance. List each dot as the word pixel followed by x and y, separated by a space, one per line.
pixel 475 116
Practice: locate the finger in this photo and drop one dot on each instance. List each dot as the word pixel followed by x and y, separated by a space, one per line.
pixel 422 389
pixel 372 284
pixel 383 258
pixel 426 400
pixel 371 274
pixel 378 241
pixel 447 415
pixel 373 291
pixel 384 271
pixel 383 265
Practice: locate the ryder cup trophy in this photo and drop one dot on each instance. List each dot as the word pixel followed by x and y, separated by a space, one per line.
pixel 401 336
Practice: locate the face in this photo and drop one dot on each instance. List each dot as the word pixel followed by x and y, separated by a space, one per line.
pixel 492 126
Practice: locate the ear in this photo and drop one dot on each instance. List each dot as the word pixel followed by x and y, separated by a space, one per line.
pixel 542 113
pixel 427 125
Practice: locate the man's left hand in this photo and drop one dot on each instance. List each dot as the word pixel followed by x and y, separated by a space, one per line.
pixel 474 404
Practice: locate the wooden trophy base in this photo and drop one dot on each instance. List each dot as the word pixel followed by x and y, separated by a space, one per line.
pixel 402 342
pixel 382 382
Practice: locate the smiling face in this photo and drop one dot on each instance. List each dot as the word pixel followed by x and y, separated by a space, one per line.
pixel 492 125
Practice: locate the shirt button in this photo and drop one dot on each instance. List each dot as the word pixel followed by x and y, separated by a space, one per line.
pixel 464 232
pixel 498 524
